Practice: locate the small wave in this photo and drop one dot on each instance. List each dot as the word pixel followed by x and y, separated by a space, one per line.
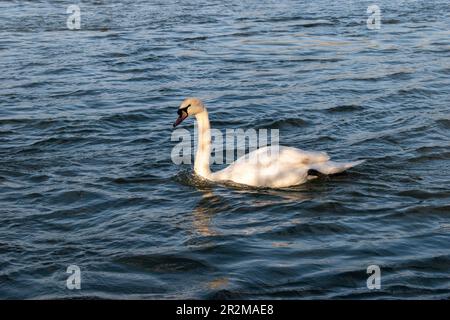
pixel 316 229
pixel 134 180
pixel 131 71
pixel 424 195
pixel 373 77
pixel 163 263
pixel 316 23
pixel 345 108
pixel 298 21
pixel 432 152
pixel 436 262
pixel 224 294
pixel 414 92
pixel 396 75
pixel 391 21
pixel 427 158
pixel 423 210
pixel 126 118
pixel 74 196
pixel 444 123
pixel 59 141
pixel 193 39
pixel 280 123
pixel 58 71
pixel 321 60
pixel 39 178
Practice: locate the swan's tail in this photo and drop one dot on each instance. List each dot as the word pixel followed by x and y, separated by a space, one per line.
pixel 332 167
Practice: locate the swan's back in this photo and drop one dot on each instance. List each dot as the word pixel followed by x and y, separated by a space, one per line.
pixel 272 167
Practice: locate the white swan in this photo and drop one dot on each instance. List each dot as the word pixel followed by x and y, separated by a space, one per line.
pixel 273 167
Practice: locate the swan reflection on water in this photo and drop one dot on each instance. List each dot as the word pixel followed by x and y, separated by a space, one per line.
pixel 212 204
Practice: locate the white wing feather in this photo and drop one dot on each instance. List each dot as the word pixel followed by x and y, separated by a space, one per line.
pixel 278 167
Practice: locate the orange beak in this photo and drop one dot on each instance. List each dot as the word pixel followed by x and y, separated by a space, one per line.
pixel 181 116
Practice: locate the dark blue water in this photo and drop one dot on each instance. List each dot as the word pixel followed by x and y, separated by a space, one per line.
pixel 86 176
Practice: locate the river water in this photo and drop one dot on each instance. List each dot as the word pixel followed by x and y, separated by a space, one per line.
pixel 87 179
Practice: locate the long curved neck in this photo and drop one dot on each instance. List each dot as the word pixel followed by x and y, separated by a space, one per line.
pixel 201 164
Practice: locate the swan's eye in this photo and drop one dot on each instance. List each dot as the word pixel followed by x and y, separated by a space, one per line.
pixel 183 109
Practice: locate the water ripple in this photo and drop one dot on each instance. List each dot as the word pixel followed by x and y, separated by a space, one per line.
pixel 86 176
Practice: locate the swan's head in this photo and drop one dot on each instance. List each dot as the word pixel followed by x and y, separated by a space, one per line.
pixel 189 107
